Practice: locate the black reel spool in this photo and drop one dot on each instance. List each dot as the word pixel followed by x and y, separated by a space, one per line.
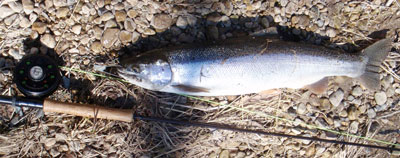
pixel 37 76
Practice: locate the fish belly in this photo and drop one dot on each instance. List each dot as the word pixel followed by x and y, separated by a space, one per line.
pixel 254 73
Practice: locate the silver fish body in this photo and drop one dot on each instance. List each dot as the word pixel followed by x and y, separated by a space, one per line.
pixel 242 66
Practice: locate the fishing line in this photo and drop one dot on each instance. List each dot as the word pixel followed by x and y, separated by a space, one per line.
pixel 247 111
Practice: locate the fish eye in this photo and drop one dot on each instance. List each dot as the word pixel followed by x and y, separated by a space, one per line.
pixel 135 69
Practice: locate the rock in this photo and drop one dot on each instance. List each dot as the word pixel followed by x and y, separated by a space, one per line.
pixel 70 22
pixel 76 29
pixel 227 8
pixel 380 98
pixel 62 12
pixel 212 32
pixel 132 2
pixel 331 32
pixel 264 22
pixel 5 11
pixel 240 154
pixel 54 152
pixel 60 3
pixel 24 22
pixel 353 113
pixel 120 16
pixel 15 54
pixel 110 36
pixel 191 20
pixel 224 154
pixel 302 109
pixel 149 31
pixel 325 104
pixel 125 36
pixel 185 38
pixel 96 47
pixel 34 35
pixel 371 113
pixel 11 19
pixel 132 13
pixel 28 6
pixel 296 31
pixel 357 91
pixel 283 2
pixel 15 6
pixel 129 25
pixel 291 8
pixel 85 10
pixel 135 36
pixel 277 18
pixel 39 27
pixel 382 107
pixel 98 32
pixel 353 127
pixel 303 21
pixel 321 123
pixel 362 108
pixel 310 151
pixel 48 40
pixel 48 3
pixel 336 97
pixel 106 16
pixel 181 22
pixel 110 24
pixel 397 91
pixel 213 18
pixel 49 142
pixel 161 21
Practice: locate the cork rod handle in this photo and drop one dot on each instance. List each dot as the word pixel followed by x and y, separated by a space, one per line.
pixel 87 110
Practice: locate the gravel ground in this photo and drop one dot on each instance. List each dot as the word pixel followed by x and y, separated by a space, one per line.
pixel 88 34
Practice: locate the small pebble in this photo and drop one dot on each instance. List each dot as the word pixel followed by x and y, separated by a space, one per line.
pixel 15 6
pixel 76 29
pixel 380 98
pixel 181 22
pixel 39 27
pixel 28 6
pixel 120 16
pixel 62 12
pixel 357 91
pixel 302 109
pixel 125 36
pixel 5 11
pixel 336 97
pixel 371 113
pixel 48 40
pixel 161 21
pixel 353 127
pixel 110 36
pixel 96 47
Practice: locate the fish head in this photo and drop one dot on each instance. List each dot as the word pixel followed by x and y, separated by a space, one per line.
pixel 146 71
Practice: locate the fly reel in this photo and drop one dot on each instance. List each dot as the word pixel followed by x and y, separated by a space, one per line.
pixel 37 76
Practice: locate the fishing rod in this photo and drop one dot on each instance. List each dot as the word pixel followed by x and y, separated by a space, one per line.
pixel 37 76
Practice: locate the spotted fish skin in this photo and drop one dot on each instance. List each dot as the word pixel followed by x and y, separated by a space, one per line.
pixel 249 65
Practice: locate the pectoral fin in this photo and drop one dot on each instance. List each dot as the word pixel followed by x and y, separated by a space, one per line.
pixel 319 87
pixel 188 88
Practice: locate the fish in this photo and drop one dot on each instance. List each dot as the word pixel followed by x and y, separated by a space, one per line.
pixel 251 65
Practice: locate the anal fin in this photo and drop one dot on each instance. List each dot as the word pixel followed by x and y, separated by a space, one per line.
pixel 319 87
pixel 188 88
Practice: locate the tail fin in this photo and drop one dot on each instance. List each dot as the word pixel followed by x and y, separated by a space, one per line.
pixel 376 54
